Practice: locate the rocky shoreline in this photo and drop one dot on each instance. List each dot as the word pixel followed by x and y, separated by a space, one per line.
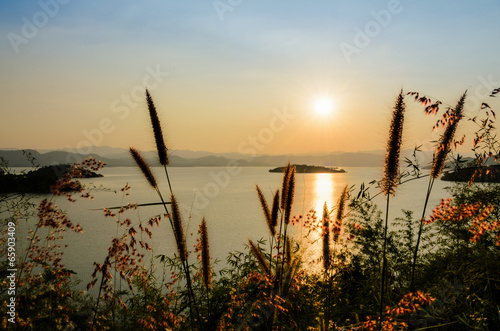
pixel 41 180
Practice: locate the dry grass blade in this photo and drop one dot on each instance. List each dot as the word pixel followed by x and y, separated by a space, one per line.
pixel 155 122
pixel 391 166
pixel 180 239
pixel 267 212
pixel 288 257
pixel 146 170
pixel 326 239
pixel 205 254
pixel 260 257
pixel 446 140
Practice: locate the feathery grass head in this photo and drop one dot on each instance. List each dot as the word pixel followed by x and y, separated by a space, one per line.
pixel 275 210
pixel 260 257
pixel 391 166
pixel 284 187
pixel 155 122
pixel 205 254
pixel 340 213
pixel 326 238
pixel 288 192
pixel 341 203
pixel 446 140
pixel 146 170
pixel 180 239
pixel 267 212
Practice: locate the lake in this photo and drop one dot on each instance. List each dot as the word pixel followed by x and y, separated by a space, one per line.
pixel 225 196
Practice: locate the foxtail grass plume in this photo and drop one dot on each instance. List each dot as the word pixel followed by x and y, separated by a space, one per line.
pixel 340 213
pixel 284 187
pixel 205 254
pixel 326 238
pixel 155 122
pixel 146 170
pixel 267 212
pixel 288 192
pixel 391 166
pixel 389 183
pixel 275 209
pixel 446 140
pixel 260 257
pixel 180 239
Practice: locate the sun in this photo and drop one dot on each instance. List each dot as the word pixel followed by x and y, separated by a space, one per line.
pixel 323 106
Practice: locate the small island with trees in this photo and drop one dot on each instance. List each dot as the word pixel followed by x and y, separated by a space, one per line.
pixel 307 169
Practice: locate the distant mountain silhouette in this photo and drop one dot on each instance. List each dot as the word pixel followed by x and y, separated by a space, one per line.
pixel 120 157
pixel 16 158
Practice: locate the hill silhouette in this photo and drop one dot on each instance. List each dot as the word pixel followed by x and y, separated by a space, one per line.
pixel 121 158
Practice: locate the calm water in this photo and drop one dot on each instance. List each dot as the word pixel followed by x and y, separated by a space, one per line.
pixel 226 197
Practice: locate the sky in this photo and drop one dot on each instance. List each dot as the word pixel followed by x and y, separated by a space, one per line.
pixel 238 75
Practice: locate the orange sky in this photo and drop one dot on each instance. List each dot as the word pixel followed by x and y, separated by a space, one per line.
pixel 239 79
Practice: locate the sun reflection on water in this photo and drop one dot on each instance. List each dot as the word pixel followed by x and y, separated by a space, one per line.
pixel 324 188
pixel 323 191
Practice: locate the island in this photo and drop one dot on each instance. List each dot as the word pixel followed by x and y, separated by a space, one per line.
pixel 41 180
pixel 311 169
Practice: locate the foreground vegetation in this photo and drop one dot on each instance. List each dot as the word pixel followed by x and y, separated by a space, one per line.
pixel 438 272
